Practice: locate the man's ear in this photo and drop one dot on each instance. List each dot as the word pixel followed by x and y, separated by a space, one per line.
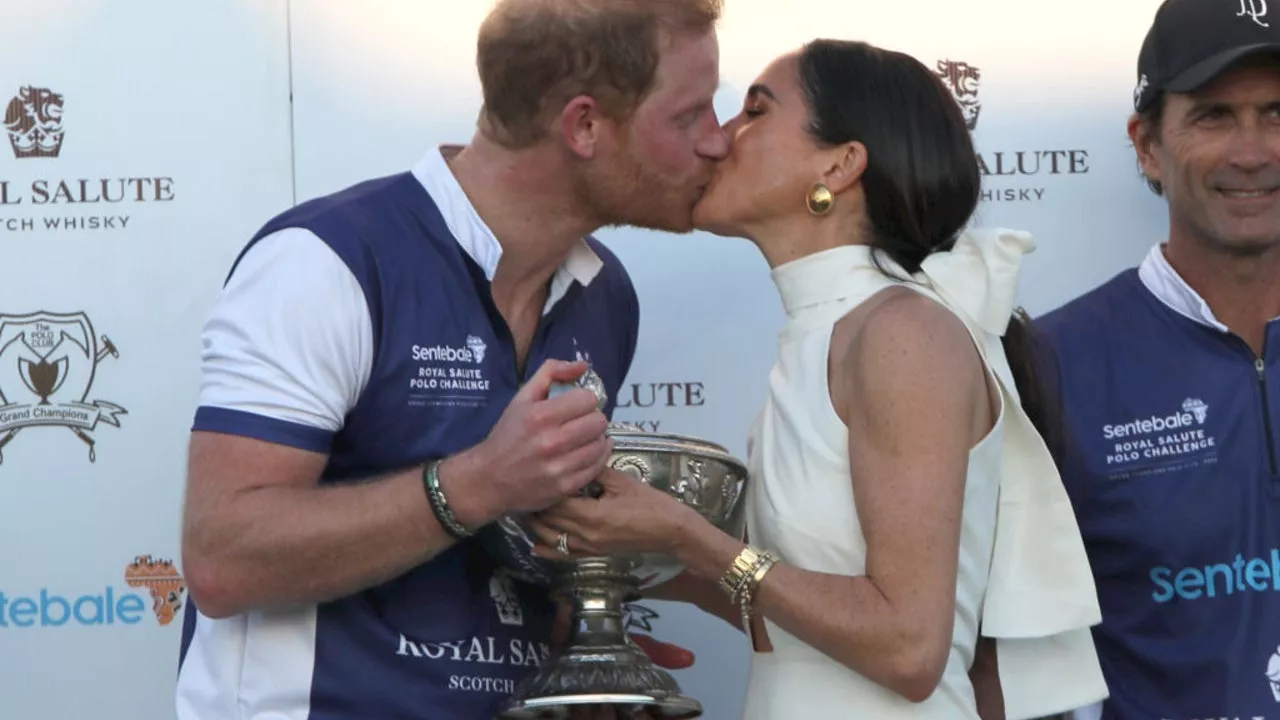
pixel 845 166
pixel 580 126
pixel 1145 140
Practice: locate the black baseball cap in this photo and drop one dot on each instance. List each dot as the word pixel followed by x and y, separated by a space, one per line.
pixel 1192 41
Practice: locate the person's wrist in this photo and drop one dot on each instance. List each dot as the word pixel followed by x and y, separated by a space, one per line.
pixel 684 587
pixel 461 478
pixel 441 507
pixel 682 537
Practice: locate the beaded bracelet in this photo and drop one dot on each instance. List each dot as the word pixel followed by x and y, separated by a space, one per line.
pixel 440 504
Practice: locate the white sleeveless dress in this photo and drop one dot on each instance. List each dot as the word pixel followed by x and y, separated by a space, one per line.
pixel 1023 575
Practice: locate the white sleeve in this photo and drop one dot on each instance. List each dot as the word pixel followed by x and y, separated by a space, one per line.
pixel 288 347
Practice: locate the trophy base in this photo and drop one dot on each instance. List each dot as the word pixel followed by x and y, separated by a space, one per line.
pixel 561 708
pixel 600 665
pixel 628 684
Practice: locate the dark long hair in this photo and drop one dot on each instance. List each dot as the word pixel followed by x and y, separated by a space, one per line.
pixel 922 181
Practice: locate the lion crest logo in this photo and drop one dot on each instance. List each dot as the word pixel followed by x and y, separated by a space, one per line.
pixel 963 80
pixel 33 121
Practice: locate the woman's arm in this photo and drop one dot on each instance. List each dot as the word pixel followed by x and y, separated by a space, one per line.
pixel 705 594
pixel 910 386
pixel 709 597
pixel 911 390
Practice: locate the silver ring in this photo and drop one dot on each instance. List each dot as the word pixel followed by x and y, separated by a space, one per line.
pixel 562 543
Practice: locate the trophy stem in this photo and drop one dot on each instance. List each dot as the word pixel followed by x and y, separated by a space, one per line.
pixel 599 665
pixel 597 593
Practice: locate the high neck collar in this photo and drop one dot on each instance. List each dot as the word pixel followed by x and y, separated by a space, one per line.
pixel 821 277
pixel 978 276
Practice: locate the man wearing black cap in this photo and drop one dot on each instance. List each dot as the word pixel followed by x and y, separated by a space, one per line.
pixel 1170 382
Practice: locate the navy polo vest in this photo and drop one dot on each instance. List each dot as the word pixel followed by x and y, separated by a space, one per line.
pixel 1171 466
pixel 450 639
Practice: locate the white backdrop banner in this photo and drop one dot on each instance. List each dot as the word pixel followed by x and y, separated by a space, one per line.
pixel 143 141
pixel 142 149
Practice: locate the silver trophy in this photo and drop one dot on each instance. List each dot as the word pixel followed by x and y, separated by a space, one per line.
pixel 600 665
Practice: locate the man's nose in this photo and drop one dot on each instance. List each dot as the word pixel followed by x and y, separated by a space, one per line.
pixel 1254 146
pixel 715 144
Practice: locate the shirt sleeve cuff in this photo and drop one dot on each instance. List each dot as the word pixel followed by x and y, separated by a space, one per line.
pixel 259 427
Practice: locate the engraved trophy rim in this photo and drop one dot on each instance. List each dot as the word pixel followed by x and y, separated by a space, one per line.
pixel 631 438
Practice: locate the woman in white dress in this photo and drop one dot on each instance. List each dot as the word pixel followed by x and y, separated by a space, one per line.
pixel 902 502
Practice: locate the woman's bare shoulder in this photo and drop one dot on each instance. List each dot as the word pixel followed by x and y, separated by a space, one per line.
pixel 900 341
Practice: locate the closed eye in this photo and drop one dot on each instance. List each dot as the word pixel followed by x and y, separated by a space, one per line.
pixel 689 117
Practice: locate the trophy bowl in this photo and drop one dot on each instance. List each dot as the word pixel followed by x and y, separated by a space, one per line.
pixel 600 665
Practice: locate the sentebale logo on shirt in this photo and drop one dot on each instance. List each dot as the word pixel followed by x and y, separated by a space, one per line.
pixel 1219 580
pixel 449 375
pixel 1194 412
pixel 1174 439
pixel 472 353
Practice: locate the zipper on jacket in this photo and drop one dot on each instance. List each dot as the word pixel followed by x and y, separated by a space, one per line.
pixel 1261 366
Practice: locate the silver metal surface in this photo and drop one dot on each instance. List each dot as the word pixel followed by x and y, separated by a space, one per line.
pixel 701 474
pixel 600 665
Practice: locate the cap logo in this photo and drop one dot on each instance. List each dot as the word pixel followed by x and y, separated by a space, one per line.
pixel 1255 10
pixel 1140 90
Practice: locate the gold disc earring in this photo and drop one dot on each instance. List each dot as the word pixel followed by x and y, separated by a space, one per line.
pixel 819 199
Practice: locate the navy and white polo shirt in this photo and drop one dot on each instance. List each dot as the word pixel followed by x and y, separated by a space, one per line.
pixel 1172 469
pixel 361 325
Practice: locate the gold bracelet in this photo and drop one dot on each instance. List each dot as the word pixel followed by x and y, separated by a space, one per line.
pixel 740 570
pixel 751 586
pixel 763 569
pixel 747 599
pixel 743 578
pixel 746 583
